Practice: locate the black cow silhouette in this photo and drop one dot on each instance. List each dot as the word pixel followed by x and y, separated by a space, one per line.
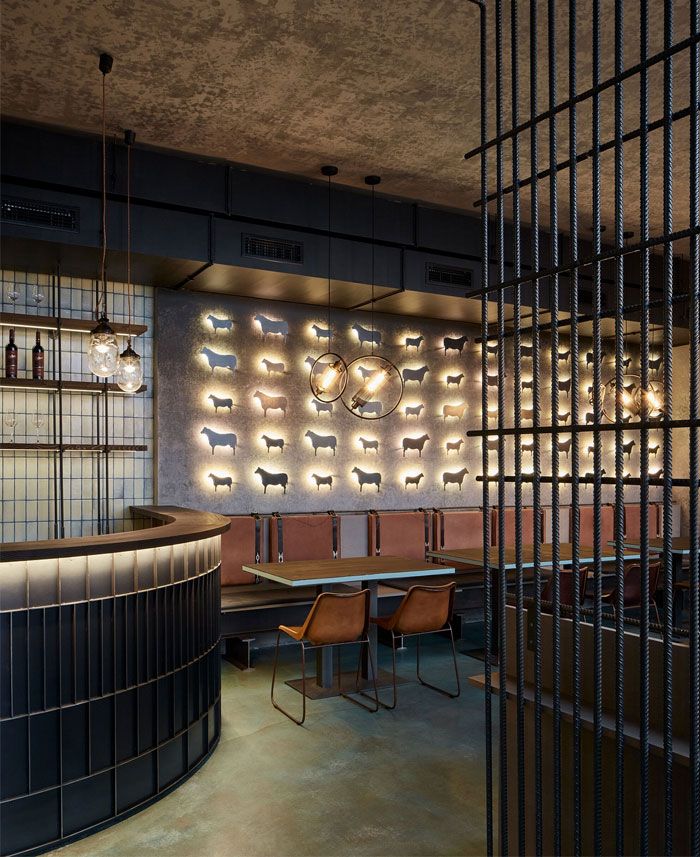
pixel 415 374
pixel 271 403
pixel 220 323
pixel 627 419
pixel 626 362
pixel 271 327
pixel 310 361
pixel 365 335
pixel 219 361
pixel 591 475
pixel 323 480
pixel 492 380
pixel 216 438
pixel 653 449
pixel 454 445
pixel 220 403
pixel 322 407
pixel 527 385
pixel 321 332
pixel 321 441
pixel 456 477
pixel 627 448
pixel 268 479
pixel 492 443
pixel 413 410
pixel 418 443
pixel 526 350
pixel 369 444
pixel 589 358
pixel 454 379
pixel 528 446
pixel 220 481
pixel 565 386
pixel 365 372
pixel 273 367
pixel 659 418
pixel 365 478
pixel 492 349
pixel 454 343
pixel 370 408
pixel 273 442
pixel 591 450
pixel 413 342
pixel 564 446
pixel 656 474
pixel 564 355
pixel 563 418
pixel 590 417
pixel 454 411
pixel 655 365
pixel 412 480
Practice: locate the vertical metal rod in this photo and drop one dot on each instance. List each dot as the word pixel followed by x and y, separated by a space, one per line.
pixel 668 434
pixel 59 376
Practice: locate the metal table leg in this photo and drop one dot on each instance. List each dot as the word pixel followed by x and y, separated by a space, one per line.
pixel 373 587
pixel 324 656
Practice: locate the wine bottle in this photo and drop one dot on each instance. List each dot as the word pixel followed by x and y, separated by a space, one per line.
pixel 38 359
pixel 11 356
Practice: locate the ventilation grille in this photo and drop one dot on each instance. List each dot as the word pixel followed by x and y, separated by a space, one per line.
pixel 274 249
pixel 30 212
pixel 446 275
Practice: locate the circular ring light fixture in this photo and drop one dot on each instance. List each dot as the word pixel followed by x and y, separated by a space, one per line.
pixel 374 388
pixel 633 397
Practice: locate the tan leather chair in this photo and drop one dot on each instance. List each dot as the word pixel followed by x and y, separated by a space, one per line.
pixel 423 610
pixel 632 589
pixel 335 619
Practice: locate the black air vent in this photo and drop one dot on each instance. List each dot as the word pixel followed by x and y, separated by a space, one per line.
pixel 274 249
pixel 447 275
pixel 30 212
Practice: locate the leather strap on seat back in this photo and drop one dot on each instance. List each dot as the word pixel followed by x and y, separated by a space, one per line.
pixel 334 536
pixel 426 528
pixel 258 536
pixel 377 531
pixel 441 521
pixel 280 546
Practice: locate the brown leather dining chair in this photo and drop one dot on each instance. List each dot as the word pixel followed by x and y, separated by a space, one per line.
pixel 423 610
pixel 335 619
pixel 632 589
pixel 566 586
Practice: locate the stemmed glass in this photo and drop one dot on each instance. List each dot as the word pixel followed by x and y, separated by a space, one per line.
pixel 37 421
pixel 11 422
pixel 12 292
pixel 37 295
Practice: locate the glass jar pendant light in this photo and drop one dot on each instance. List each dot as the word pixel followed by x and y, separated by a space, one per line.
pixel 129 370
pixel 329 374
pixel 103 350
pixel 375 387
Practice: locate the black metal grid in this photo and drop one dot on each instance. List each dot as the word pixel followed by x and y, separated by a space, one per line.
pixel 541 285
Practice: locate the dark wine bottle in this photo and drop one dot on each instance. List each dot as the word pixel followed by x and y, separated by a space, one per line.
pixel 38 359
pixel 11 356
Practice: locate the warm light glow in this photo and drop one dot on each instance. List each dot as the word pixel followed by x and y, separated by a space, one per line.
pixel 330 377
pixel 103 351
pixel 129 375
pixel 372 385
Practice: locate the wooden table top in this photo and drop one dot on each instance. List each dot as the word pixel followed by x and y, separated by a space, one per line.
pixel 351 569
pixel 475 556
pixel 681 544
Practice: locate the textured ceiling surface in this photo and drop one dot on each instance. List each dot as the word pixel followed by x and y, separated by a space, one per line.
pixel 382 86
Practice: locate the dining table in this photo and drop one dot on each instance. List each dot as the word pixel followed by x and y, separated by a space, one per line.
pixel 367 571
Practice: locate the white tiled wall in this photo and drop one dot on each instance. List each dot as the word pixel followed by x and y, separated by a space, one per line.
pixel 27 488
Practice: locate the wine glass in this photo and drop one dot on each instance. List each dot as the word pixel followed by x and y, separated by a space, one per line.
pixel 11 422
pixel 37 421
pixel 12 292
pixel 37 295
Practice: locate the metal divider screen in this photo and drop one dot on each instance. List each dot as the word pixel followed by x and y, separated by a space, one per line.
pixel 590 305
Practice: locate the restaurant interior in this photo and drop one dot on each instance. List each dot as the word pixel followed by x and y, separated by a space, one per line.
pixel 349 505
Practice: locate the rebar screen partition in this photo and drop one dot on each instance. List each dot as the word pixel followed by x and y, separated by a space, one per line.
pixel 651 287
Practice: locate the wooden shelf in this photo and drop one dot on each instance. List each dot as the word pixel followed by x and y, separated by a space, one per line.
pixel 52 386
pixel 73 447
pixel 70 325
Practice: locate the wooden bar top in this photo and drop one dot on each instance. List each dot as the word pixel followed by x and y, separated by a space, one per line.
pixel 170 525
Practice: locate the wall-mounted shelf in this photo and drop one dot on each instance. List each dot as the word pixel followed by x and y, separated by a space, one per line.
pixel 50 386
pixel 73 447
pixel 68 325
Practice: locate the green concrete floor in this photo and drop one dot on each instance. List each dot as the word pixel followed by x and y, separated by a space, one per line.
pixel 402 782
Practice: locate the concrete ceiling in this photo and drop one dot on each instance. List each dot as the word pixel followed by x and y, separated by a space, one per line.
pixel 382 86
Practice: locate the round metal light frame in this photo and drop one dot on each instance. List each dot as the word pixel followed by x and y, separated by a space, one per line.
pixel 354 402
pixel 629 380
pixel 318 369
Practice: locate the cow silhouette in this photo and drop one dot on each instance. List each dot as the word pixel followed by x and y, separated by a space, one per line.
pixel 413 342
pixel 216 438
pixel 492 380
pixel 529 446
pixel 412 480
pixel 321 332
pixel 415 374
pixel 454 445
pixel 527 385
pixel 271 367
pixel 653 449
pixel 655 365
pixel 370 408
pixel 273 443
pixel 220 403
pixel 219 361
pixel 271 327
pixel 322 407
pixel 563 418
pixel 323 480
pixel 456 477
pixel 526 350
pixel 310 361
pixel 627 448
pixel 418 443
pixel 492 349
pixel 591 450
pixel 220 323
pixel 590 417
pixel 659 418
pixel 364 335
pixel 454 411
pixel 656 474
pixel 564 355
pixel 454 343
pixel 369 444
pixel 270 479
pixel 564 387
pixel 321 441
pixel 626 362
pixel 365 372
pixel 221 481
pixel 413 410
pixel 365 478
pixel 564 446
pixel 271 403
pixel 591 475
pixel 589 358
pixel 454 379
pixel 492 443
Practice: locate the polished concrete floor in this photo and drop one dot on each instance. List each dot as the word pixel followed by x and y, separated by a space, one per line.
pixel 402 782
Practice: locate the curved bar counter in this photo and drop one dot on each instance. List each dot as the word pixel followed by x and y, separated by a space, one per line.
pixel 109 673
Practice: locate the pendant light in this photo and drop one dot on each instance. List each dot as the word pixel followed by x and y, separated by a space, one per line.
pixel 375 386
pixel 129 369
pixel 329 374
pixel 103 350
